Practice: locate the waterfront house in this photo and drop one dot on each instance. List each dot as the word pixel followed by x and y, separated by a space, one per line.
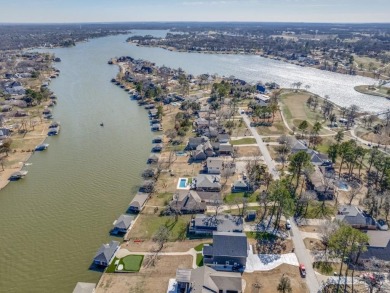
pixel 206 182
pixel 106 253
pixel 229 251
pixel 206 279
pixel 214 165
pixel 188 202
pixel 122 224
pixel 153 159
pixel 211 198
pixel 138 202
pixel 355 217
pixel 262 100
pixel 206 225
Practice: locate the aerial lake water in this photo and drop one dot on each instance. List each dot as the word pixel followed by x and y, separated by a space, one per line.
pixel 54 220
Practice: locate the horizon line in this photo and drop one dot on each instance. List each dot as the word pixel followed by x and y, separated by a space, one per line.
pixel 189 21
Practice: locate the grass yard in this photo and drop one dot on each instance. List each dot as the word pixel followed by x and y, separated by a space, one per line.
pixel 147 225
pixel 230 198
pixel 319 210
pixel 295 110
pixel 132 263
pixel 199 259
pixel 247 140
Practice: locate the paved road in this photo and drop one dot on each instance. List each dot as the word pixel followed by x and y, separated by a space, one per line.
pixel 304 258
pixel 263 148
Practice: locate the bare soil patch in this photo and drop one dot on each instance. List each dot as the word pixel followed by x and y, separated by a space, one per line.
pixel 269 280
pixel 153 279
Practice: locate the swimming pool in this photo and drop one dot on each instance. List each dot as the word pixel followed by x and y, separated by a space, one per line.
pixel 183 183
pixel 342 185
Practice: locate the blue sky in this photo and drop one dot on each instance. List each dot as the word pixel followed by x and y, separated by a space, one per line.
pixel 194 10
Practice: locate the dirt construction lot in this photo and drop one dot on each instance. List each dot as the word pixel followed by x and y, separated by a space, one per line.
pixel 153 279
pixel 269 280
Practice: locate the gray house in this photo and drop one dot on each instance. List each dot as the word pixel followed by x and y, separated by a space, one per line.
pixel 355 217
pixel 378 246
pixel 188 202
pixel 206 279
pixel 214 165
pixel 240 186
pixel 194 142
pixel 206 225
pixel 106 253
pixel 122 224
pixel 229 251
pixel 205 182
pixel 138 202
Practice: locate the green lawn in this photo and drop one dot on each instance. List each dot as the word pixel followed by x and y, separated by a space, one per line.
pixel 230 198
pixel 131 263
pixel 318 210
pixel 200 246
pixel 260 235
pixel 247 140
pixel 147 225
pixel 199 259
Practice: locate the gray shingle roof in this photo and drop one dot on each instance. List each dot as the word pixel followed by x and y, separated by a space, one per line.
pixel 208 181
pixel 106 252
pixel 230 244
pixel 221 223
pixel 206 280
pixel 124 222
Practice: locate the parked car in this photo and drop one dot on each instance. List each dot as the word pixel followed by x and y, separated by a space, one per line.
pixel 288 225
pixel 302 270
pixel 382 225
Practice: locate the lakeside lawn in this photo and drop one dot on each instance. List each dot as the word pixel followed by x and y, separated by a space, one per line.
pixel 130 263
pixel 295 110
pixel 247 140
pixel 147 225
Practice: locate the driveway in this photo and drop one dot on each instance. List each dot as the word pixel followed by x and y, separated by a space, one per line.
pixel 267 262
pixel 304 257
pixel 263 148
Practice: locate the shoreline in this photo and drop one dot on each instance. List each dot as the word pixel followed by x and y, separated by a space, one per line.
pixel 5 174
pixel 276 58
pixel 363 89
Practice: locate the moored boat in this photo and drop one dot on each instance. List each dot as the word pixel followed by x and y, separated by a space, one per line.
pixel 42 147
pixel 18 175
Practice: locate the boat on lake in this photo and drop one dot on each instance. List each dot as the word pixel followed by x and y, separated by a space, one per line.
pixel 53 131
pixel 42 147
pixel 18 175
